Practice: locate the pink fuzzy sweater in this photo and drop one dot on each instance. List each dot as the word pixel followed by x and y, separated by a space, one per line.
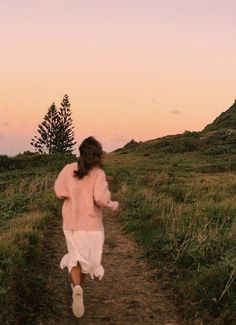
pixel 83 198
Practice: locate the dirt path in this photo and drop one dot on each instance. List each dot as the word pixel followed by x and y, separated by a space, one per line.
pixel 126 295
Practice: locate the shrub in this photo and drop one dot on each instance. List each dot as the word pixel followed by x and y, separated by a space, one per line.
pixel 218 150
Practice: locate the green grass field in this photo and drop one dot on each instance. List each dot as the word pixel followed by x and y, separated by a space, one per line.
pixel 181 208
pixel 27 208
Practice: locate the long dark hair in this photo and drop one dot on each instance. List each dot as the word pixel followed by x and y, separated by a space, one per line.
pixel 90 156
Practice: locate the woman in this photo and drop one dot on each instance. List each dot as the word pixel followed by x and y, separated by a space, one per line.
pixel 84 188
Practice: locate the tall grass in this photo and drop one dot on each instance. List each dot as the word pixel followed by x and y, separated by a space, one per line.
pixel 186 222
pixel 27 208
pixel 180 207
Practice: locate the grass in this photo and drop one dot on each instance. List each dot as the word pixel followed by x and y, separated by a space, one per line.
pixel 27 209
pixel 183 214
pixel 180 207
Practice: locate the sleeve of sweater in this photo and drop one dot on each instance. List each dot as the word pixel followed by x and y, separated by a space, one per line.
pixel 60 185
pixel 101 193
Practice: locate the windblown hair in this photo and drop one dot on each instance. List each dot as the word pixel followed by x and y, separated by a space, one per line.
pixel 90 156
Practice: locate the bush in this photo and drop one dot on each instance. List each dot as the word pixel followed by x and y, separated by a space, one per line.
pixel 25 161
pixel 218 150
pixel 193 134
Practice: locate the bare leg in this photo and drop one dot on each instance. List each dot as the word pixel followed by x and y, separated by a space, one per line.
pixel 77 295
pixel 76 276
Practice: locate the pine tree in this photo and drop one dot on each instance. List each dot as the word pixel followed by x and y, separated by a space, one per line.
pixel 65 131
pixel 56 132
pixel 46 142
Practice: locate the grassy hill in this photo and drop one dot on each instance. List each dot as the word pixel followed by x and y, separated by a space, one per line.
pixel 181 208
pixel 217 138
pixel 178 199
pixel 226 120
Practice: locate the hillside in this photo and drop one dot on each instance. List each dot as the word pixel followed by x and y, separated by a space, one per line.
pixel 216 138
pixel 177 199
pixel 226 120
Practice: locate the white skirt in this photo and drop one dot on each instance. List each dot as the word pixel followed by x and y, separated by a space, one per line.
pixel 85 247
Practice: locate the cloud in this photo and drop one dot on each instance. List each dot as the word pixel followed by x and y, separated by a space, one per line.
pixel 175 111
pixel 1 136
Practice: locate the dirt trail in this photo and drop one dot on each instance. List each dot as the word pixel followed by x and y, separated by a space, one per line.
pixel 126 295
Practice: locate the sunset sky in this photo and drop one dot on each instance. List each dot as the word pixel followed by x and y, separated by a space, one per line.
pixel 132 68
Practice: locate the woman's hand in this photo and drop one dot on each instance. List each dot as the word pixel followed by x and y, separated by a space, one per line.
pixel 115 205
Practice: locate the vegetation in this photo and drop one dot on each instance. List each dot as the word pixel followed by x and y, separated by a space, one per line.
pixel 27 210
pixel 178 199
pixel 56 132
pixel 218 138
pixel 183 214
pixel 225 120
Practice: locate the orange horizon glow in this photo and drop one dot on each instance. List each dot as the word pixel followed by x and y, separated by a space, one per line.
pixel 131 72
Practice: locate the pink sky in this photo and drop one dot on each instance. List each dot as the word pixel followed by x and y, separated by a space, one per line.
pixel 132 69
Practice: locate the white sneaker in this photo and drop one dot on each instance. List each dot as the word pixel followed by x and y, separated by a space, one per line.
pixel 77 304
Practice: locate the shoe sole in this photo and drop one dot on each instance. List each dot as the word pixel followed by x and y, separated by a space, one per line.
pixel 78 304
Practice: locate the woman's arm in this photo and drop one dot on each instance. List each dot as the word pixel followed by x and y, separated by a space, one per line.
pixel 101 193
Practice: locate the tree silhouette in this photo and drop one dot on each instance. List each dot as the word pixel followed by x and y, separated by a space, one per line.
pixel 65 129
pixel 56 133
pixel 45 142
